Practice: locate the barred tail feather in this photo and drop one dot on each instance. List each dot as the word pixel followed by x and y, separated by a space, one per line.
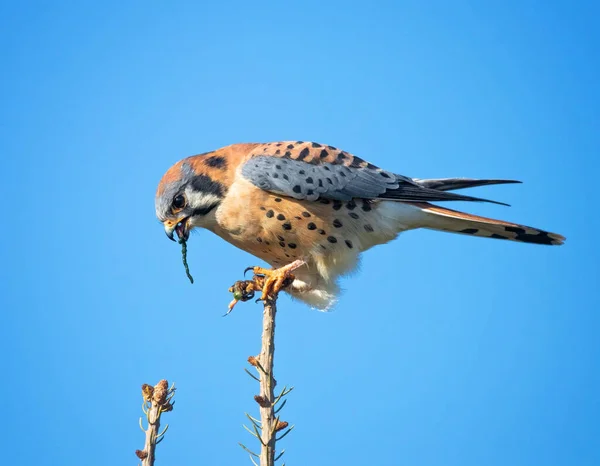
pixel 453 221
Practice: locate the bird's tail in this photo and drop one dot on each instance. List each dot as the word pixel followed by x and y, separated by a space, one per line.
pixel 453 221
pixel 450 184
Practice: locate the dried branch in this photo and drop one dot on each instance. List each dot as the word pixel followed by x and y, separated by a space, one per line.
pixel 267 384
pixel 157 400
pixel 270 425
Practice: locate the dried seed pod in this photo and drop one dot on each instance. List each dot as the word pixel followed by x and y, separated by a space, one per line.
pixel 160 392
pixel 262 401
pixel 281 425
pixel 147 391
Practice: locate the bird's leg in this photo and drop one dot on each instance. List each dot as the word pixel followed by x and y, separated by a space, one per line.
pixel 273 280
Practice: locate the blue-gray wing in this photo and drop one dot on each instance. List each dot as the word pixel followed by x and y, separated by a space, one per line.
pixel 324 180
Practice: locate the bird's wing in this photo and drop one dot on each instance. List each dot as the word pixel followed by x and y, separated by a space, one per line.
pixel 311 171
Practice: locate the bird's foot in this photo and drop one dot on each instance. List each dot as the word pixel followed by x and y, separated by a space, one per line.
pixel 274 280
pixel 269 281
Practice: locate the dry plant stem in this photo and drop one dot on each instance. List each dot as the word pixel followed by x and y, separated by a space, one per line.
pixel 267 384
pixel 157 400
pixel 151 433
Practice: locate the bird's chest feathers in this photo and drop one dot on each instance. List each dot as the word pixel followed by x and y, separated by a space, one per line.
pixel 236 216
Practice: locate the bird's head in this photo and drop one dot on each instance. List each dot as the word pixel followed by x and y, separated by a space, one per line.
pixel 188 195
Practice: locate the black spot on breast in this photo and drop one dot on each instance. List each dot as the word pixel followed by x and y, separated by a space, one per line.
pixel 343 175
pixel 309 192
pixel 332 239
pixel 369 228
pixel 351 205
pixel 303 154
pixel 324 154
pixel 329 180
pixel 280 217
pixel 337 223
pixel 287 154
pixel 353 215
pixel 320 183
pixel 326 168
pixel 263 208
pixel 469 231
pixel 311 226
pixel 292 245
pixel 337 205
pixel 366 206
pixel 277 152
pixel 298 218
pixel 322 246
pixel 341 156
pixel 267 243
pixel 305 214
pixel 278 144
pixel 322 232
pixel 349 243
pixel 282 244
pixel 287 226
pixel 205 184
pixel 297 189
pixel 277 199
pixel 280 238
pixel 259 240
pixel 216 162
pixel 314 144
pixel 278 167
pixel 270 214
pixel 290 146
pixel 302 172
pixel 275 175
pixel 309 180
pixel 285 177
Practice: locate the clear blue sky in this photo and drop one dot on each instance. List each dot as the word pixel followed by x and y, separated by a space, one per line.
pixel 444 350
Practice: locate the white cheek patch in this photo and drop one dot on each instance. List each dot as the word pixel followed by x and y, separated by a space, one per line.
pixel 203 200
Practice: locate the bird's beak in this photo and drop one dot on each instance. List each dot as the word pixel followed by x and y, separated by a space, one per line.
pixel 181 228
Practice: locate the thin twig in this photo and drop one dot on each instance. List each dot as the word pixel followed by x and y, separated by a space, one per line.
pixel 269 425
pixel 267 414
pixel 157 400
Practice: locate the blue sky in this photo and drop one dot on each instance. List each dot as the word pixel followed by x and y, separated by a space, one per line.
pixel 444 350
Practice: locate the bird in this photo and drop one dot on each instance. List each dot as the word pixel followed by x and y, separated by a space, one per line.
pixel 309 210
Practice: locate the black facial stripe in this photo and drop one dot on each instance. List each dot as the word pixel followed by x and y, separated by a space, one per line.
pixel 204 210
pixel 204 184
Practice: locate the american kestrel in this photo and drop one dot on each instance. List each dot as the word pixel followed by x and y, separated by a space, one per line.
pixel 312 209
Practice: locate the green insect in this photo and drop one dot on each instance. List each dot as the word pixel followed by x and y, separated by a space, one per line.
pixel 184 257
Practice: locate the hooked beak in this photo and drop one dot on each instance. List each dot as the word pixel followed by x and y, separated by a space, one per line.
pixel 180 228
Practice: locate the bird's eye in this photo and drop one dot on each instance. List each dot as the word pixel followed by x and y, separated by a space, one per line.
pixel 179 201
